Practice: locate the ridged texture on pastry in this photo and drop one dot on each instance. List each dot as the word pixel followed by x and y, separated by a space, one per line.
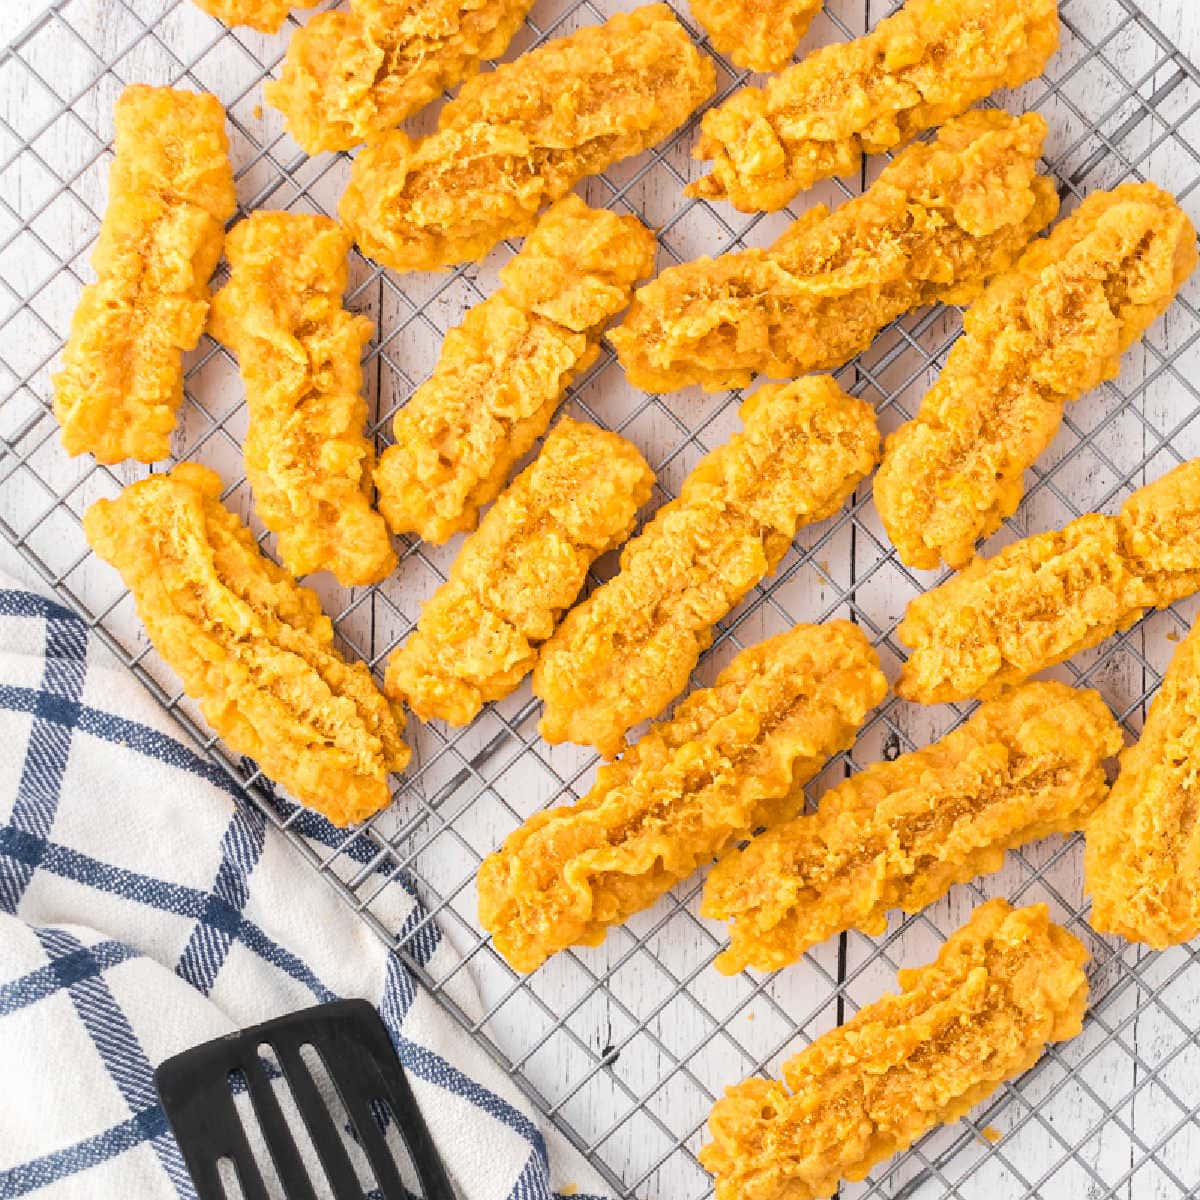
pixel 170 192
pixel 352 74
pixel 250 644
pixel 1045 598
pixel 628 649
pixel 521 137
pixel 478 635
pixel 1004 986
pixel 935 225
pixel 734 757
pixel 917 69
pixel 759 34
pixel 1042 335
pixel 1142 860
pixel 900 834
pixel 503 372
pixel 307 456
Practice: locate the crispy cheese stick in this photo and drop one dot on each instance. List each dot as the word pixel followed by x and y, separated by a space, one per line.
pixel 734 757
pixel 626 651
pixel 1042 335
pixel 250 644
pixel 936 224
pixel 1142 856
pixel 170 192
pixel 479 633
pixel 1043 599
pixel 351 75
pixel 307 457
pixel 503 372
pixel 521 137
pixel 264 15
pixel 1006 984
pixel 900 834
pixel 759 34
pixel 917 69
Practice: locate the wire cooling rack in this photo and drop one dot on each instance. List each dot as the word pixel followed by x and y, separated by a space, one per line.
pixel 626 1046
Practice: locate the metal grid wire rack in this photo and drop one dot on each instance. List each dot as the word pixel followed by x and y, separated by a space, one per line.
pixel 625 1047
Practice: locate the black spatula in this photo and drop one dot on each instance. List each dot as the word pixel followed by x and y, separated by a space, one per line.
pixel 353 1044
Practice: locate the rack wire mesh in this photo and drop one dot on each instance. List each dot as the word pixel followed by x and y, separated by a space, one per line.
pixel 625 1047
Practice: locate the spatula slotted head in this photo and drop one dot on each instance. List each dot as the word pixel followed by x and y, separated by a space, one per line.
pixel 352 1043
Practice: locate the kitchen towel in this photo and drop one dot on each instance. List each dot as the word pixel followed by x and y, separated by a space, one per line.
pixel 147 906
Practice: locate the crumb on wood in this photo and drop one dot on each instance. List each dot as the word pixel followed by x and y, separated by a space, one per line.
pixel 257 110
pixel 991 1134
pixel 568 1189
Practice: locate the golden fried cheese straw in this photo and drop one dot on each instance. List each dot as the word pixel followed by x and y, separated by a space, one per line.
pixel 734 757
pixel 1142 846
pixel 351 75
pixel 1001 988
pixel 936 224
pixel 478 635
pixel 521 137
pixel 627 650
pixel 264 15
pixel 759 34
pixel 926 64
pixel 250 644
pixel 170 192
pixel 900 834
pixel 307 457
pixel 504 370
pixel 1045 598
pixel 1042 334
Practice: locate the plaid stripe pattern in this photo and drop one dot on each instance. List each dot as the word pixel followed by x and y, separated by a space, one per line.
pixel 146 906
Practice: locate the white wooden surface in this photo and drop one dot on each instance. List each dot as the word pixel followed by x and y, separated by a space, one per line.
pixel 673 1025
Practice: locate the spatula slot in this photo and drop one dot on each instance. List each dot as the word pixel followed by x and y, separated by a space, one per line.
pixel 351 1138
pixel 309 1106
pixel 231 1183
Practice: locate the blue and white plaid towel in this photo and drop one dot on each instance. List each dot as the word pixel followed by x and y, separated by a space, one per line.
pixel 145 907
